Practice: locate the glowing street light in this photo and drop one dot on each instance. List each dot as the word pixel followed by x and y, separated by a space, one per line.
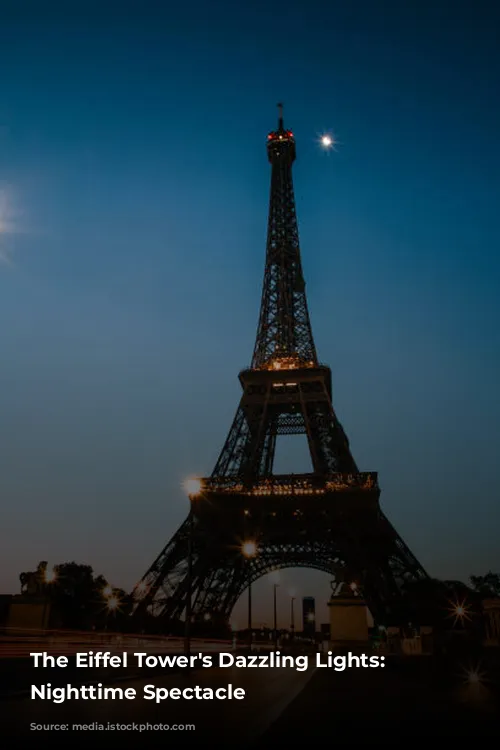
pixel 192 486
pixel 50 576
pixel 292 613
pixel 473 677
pixel 107 591
pixel 459 611
pixel 249 549
pixel 113 603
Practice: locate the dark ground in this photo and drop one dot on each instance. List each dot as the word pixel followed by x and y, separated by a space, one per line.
pixel 419 700
pixel 411 701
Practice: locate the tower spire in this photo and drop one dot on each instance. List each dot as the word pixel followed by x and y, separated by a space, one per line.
pixel 284 329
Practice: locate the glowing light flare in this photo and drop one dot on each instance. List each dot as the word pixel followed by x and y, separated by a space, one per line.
pixel 459 611
pixel 192 486
pixel 107 591
pixel 249 549
pixel 50 576
pixel 473 677
pixel 113 603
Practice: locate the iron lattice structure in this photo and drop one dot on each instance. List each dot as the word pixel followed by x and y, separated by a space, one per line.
pixel 329 519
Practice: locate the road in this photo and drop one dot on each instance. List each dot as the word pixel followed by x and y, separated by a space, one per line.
pixel 68 644
pixel 268 692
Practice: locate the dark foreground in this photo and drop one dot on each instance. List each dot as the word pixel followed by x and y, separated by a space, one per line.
pixel 417 699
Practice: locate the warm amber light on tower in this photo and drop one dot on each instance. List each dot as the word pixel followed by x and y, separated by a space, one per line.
pixel 192 486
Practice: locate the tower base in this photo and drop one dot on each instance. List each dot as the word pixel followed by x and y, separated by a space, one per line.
pixel 348 621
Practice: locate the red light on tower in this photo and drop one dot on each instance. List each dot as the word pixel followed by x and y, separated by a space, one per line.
pixel 290 134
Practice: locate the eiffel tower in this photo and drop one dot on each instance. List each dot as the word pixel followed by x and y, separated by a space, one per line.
pixel 245 521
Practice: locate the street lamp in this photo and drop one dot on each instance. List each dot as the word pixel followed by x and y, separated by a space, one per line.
pixel 275 586
pixel 50 576
pixel 249 550
pixel 193 488
pixel 292 614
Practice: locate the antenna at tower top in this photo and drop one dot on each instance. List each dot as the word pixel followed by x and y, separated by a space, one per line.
pixel 280 120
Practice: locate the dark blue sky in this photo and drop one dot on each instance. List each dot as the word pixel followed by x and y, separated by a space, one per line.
pixel 134 189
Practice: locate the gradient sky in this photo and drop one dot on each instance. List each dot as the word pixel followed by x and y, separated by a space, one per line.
pixel 133 205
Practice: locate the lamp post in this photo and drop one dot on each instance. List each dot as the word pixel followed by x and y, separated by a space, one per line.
pixel 193 488
pixel 311 617
pixel 275 586
pixel 249 550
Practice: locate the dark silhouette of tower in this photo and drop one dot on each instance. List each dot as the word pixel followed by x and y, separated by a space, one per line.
pixel 329 519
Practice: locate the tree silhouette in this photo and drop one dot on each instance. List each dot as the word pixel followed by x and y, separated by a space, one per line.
pixel 83 601
pixel 487 585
